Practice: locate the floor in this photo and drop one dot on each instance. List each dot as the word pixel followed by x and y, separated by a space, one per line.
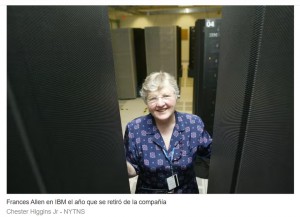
pixel 130 109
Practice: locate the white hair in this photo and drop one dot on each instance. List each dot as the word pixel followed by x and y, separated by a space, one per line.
pixel 157 81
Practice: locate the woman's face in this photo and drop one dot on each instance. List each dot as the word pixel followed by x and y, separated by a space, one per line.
pixel 161 104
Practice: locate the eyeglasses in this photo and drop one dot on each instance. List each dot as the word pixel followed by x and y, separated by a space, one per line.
pixel 154 100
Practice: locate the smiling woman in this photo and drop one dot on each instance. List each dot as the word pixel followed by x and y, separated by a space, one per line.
pixel 161 147
pixel 160 92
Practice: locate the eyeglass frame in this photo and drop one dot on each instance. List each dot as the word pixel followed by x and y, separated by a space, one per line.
pixel 164 97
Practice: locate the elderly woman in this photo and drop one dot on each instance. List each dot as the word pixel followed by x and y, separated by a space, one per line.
pixel 161 147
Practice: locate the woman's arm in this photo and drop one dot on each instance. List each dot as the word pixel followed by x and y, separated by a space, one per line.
pixel 130 150
pixel 130 169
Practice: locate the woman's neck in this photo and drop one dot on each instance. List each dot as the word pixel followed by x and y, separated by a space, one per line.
pixel 166 128
pixel 166 124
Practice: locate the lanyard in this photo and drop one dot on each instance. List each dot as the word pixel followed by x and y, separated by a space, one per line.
pixel 170 158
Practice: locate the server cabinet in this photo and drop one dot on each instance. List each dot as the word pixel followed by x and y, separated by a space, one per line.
pixel 125 62
pixel 163 49
pixel 206 60
pixel 130 60
pixel 140 56
pixel 253 143
pixel 191 70
pixel 179 66
pixel 63 125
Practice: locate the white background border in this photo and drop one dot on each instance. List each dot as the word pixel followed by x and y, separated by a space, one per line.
pixel 274 205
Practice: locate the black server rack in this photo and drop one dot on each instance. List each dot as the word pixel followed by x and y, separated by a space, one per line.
pixel 205 43
pixel 206 60
pixel 253 143
pixel 140 56
pixel 179 65
pixel 63 125
pixel 191 67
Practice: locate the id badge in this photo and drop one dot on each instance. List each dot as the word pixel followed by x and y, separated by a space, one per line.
pixel 172 182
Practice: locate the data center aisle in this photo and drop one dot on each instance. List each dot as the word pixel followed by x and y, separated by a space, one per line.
pixel 130 109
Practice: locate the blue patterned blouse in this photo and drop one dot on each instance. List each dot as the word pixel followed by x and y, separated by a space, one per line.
pixel 145 151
